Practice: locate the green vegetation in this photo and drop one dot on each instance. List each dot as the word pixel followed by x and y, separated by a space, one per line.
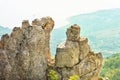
pixel 74 77
pixel 52 75
pixel 111 67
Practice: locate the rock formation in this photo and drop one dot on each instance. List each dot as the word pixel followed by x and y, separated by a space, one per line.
pixel 25 53
pixel 74 57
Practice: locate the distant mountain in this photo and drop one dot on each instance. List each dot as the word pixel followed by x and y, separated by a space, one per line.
pixel 111 67
pixel 4 30
pixel 101 27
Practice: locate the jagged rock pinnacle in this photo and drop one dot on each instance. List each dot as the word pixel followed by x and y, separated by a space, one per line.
pixel 74 56
pixel 73 33
pixel 25 52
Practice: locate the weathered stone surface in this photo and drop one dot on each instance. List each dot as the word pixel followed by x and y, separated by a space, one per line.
pixel 47 24
pixel 5 68
pixel 74 56
pixel 3 41
pixel 73 33
pixel 67 54
pixel 36 22
pixel 1 46
pixel 89 67
pixel 25 24
pixel 25 51
pixel 84 48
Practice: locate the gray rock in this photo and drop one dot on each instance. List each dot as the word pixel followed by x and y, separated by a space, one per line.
pixel 26 51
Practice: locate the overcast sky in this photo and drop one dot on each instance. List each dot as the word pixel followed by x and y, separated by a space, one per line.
pixel 12 12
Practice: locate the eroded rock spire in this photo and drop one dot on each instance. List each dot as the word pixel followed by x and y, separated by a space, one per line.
pixel 24 53
pixel 74 57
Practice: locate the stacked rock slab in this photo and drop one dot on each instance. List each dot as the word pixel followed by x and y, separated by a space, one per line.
pixel 24 53
pixel 74 57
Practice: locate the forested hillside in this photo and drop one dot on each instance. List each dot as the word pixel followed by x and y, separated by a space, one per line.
pixel 111 67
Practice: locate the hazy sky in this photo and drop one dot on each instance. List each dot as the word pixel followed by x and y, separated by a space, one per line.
pixel 12 12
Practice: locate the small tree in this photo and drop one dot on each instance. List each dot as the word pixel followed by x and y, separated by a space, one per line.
pixel 74 77
pixel 52 75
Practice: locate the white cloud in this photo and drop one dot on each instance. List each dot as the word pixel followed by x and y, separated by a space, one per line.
pixel 12 12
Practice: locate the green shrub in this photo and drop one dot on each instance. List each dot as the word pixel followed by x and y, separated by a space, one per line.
pixel 52 75
pixel 74 77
